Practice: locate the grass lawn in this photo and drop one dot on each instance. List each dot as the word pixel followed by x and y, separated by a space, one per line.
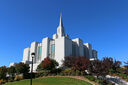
pixel 51 81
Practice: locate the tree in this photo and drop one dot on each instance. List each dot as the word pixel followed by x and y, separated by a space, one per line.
pixel 126 66
pixel 81 63
pixel 11 71
pixel 76 63
pixel 3 72
pixel 116 65
pixel 47 64
pixel 111 65
pixel 98 68
pixel 68 61
pixel 22 68
pixel 108 61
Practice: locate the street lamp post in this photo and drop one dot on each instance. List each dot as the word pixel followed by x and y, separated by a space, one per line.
pixel 32 54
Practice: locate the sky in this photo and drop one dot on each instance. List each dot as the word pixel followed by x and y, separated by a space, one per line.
pixel 103 23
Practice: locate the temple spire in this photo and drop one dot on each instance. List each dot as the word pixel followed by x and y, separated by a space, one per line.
pixel 61 23
pixel 60 29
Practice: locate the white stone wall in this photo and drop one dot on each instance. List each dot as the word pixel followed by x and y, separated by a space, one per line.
pixel 80 48
pixel 68 47
pixel 45 47
pixel 76 45
pixel 60 49
pixel 86 52
pixel 26 54
pixel 33 49
pixel 89 49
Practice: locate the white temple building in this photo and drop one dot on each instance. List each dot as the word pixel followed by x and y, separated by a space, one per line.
pixel 57 48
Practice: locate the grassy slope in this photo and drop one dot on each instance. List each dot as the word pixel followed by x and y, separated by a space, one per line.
pixel 51 81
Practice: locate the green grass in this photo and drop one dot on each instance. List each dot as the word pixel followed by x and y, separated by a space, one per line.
pixel 51 81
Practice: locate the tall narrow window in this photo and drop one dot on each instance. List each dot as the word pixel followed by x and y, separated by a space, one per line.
pixel 39 52
pixel 73 50
pixel 52 50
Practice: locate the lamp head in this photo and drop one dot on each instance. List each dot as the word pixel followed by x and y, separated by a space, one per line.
pixel 32 54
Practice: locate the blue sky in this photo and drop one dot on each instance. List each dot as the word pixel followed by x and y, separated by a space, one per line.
pixel 103 23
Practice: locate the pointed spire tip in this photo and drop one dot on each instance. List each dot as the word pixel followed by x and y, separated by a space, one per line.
pixel 61 23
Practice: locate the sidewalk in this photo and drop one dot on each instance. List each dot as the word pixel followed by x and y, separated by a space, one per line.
pixel 116 80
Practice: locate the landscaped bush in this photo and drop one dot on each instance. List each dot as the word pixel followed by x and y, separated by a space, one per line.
pixel 90 77
pixel 11 79
pixel 55 71
pixel 2 81
pixel 77 72
pixel 126 79
pixel 27 75
pixel 67 72
pixel 42 73
pixel 111 71
pixel 124 76
pixel 62 74
pixel 121 75
pixel 18 77
pixel 71 72
pixel 126 71
pixel 103 82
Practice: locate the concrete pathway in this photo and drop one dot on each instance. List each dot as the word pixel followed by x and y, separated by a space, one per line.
pixel 116 80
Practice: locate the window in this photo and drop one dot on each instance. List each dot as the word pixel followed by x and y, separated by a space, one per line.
pixel 52 50
pixel 73 50
pixel 39 52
